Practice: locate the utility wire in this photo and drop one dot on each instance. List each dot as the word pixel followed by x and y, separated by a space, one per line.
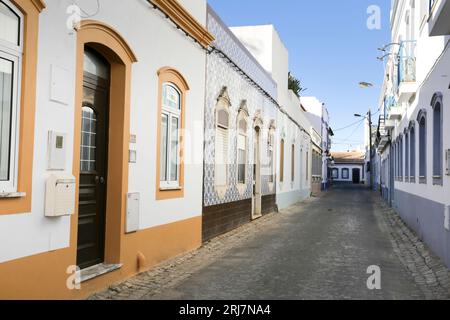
pixel 351 142
pixel 355 123
pixel 342 140
pixel 354 131
pixel 349 126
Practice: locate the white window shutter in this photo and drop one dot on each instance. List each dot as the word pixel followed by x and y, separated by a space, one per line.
pixel 221 156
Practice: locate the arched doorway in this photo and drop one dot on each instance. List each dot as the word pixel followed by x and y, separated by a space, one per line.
pixel 93 160
pixel 104 62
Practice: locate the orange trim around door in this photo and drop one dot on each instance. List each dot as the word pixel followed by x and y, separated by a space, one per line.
pixel 114 48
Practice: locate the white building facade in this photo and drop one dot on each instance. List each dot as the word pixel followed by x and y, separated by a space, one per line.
pixel 414 133
pixel 98 175
pixel 120 149
pixel 319 117
pixel 348 168
pixel 294 179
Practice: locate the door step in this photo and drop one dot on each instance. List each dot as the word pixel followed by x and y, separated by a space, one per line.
pixel 97 271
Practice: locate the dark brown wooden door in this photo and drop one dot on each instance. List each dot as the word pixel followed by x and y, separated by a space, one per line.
pixel 356 176
pixel 93 171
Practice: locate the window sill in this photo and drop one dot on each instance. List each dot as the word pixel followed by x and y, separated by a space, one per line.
pixel 438 181
pixel 12 195
pixel 170 189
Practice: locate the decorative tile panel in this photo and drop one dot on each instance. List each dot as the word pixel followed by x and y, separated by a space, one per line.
pixel 222 74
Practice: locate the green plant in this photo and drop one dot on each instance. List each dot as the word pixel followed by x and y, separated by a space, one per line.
pixel 295 85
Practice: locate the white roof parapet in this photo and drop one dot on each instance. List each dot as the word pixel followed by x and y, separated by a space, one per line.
pixel 227 43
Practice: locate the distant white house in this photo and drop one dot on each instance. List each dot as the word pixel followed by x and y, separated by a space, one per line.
pixel 348 167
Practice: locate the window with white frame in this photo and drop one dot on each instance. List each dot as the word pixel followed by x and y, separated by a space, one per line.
pixel 401 158
pixel 221 147
pixel 10 66
pixel 242 147
pixel 170 136
pixel 412 150
pixel 422 119
pixel 335 173
pixel 345 174
pixel 437 139
pixel 394 155
pixel 407 155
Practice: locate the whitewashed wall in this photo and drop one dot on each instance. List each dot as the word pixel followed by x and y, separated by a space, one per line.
pixel 267 47
pixel 432 75
pixel 350 167
pixel 157 44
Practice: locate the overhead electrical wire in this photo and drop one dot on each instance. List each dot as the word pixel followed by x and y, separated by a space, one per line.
pixel 353 132
pixel 349 126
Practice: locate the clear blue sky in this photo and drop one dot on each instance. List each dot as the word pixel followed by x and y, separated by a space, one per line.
pixel 331 51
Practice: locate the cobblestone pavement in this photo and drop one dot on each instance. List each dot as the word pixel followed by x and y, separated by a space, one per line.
pixel 318 249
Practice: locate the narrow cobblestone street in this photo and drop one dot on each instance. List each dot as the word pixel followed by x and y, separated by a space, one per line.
pixel 318 249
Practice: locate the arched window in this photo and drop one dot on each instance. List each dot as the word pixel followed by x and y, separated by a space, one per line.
pixel 407 155
pixel 401 158
pixel 438 155
pixel 422 120
pixel 412 150
pixel 282 160
pixel 170 136
pixel 221 145
pixel 170 148
pixel 242 146
pixel 397 159
pixel 11 22
pixel 394 154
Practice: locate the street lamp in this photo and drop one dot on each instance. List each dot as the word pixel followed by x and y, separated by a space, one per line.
pixel 365 85
pixel 368 85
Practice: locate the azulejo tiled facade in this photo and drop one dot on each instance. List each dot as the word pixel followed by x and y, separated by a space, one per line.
pixel 223 74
